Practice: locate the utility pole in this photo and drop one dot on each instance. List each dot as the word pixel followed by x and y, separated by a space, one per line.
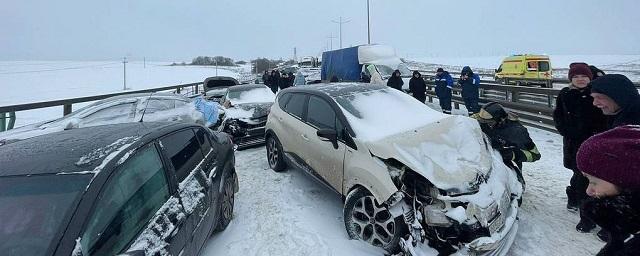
pixel 340 22
pixel 124 63
pixel 331 37
pixel 144 62
pixel 368 25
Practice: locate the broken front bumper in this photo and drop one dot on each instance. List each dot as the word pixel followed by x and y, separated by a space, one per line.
pixel 499 242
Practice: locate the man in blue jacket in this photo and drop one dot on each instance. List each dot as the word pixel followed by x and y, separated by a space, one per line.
pixel 444 83
pixel 470 83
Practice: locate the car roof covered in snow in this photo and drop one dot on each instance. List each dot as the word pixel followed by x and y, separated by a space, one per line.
pixel 75 151
pixel 338 89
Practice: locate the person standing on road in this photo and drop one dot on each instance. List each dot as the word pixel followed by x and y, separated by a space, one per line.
pixel 610 161
pixel 265 78
pixel 618 98
pixel 418 87
pixel 292 79
pixel 470 92
pixel 576 119
pixel 274 80
pixel 444 84
pixel 284 81
pixel 395 81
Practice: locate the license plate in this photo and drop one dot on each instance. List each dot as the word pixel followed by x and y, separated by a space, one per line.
pixel 497 224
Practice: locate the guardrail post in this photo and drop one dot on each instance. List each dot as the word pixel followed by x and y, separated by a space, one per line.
pixel 67 109
pixel 550 100
pixel 178 90
pixel 197 87
pixel 514 96
pixel 3 122
pixel 12 120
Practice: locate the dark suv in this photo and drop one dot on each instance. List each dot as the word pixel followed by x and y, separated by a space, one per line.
pixel 133 189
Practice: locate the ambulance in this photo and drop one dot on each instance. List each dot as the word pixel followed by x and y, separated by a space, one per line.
pixel 525 69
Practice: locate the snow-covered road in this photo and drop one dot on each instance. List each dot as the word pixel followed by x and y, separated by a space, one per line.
pixel 291 214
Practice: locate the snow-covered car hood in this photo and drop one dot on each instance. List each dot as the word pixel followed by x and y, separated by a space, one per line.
pixel 249 112
pixel 451 153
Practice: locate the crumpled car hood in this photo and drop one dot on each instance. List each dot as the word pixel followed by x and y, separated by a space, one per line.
pixel 249 111
pixel 451 153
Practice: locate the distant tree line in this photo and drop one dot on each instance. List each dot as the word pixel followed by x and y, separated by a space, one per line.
pixel 212 61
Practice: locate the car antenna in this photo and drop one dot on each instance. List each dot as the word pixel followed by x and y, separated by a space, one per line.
pixel 145 107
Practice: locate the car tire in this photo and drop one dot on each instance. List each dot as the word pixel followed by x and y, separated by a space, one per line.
pixel 366 220
pixel 275 155
pixel 227 201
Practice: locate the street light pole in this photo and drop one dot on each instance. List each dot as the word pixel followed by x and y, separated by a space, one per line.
pixel 368 25
pixel 340 22
pixel 331 37
pixel 124 62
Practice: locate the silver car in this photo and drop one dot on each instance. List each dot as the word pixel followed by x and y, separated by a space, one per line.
pixel 407 174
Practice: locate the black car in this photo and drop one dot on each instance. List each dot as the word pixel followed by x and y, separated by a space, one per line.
pixel 132 189
pixel 246 110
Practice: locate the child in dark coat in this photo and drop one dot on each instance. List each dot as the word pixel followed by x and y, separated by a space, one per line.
pixel 610 161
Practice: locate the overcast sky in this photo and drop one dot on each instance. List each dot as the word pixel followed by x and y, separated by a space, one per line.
pixel 172 30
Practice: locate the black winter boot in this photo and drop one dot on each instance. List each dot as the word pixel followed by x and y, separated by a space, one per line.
pixel 585 225
pixel 603 235
pixel 573 201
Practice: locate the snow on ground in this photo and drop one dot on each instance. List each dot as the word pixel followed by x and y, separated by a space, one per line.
pixel 35 81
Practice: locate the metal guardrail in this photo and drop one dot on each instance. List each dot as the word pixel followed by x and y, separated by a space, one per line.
pixel 68 103
pixel 533 105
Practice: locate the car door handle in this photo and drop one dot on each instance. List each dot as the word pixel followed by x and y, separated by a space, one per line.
pixel 304 137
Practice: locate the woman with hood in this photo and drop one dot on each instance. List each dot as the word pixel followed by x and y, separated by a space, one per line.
pixel 395 81
pixel 576 119
pixel 470 93
pixel 609 161
pixel 418 87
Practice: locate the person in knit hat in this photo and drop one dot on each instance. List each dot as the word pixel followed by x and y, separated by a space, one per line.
pixel 610 161
pixel 617 96
pixel 576 119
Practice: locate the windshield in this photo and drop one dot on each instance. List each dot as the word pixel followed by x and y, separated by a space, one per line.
pixel 32 210
pixel 386 71
pixel 255 95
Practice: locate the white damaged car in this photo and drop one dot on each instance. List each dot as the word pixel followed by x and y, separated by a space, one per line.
pixel 411 177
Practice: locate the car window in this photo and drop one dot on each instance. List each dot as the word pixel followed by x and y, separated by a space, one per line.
pixel 205 145
pixel 130 198
pixel 183 149
pixel 111 112
pixel 320 114
pixel 33 210
pixel 543 66
pixel 155 105
pixel 295 106
pixel 282 101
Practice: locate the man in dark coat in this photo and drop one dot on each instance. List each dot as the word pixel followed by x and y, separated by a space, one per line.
pixel 284 81
pixel 444 84
pixel 265 78
pixel 470 94
pixel 609 160
pixel 292 78
pixel 274 81
pixel 418 87
pixel 617 97
pixel 576 119
pixel 508 136
pixel 395 81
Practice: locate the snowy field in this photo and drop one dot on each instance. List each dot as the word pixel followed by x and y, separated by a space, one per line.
pixel 35 81
pixel 290 213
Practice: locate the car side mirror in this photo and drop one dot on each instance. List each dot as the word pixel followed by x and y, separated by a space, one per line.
pixel 329 135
